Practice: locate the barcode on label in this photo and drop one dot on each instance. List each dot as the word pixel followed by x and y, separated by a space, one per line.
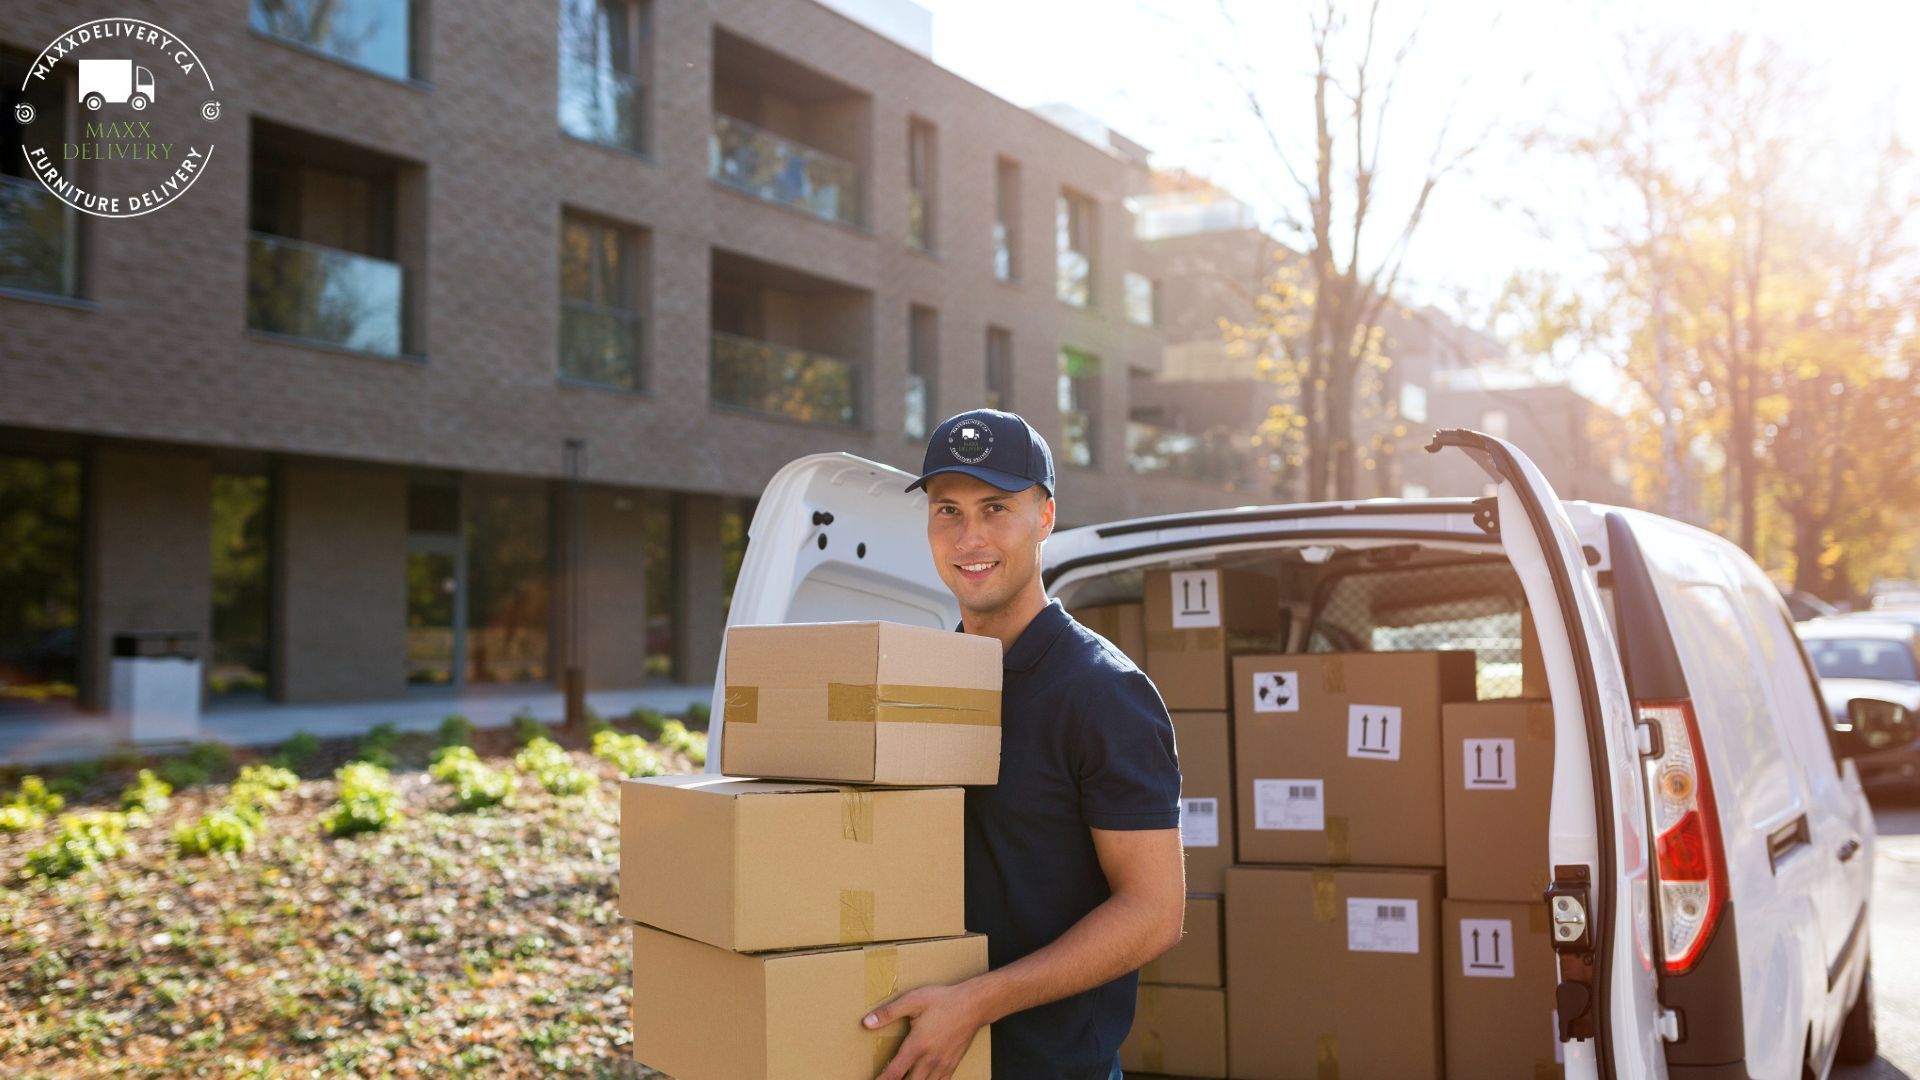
pixel 1390 913
pixel 1302 791
pixel 1203 807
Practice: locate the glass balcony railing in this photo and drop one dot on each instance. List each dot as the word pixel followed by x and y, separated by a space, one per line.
pixel 600 345
pixel 323 294
pixel 1002 251
pixel 780 170
pixel 780 381
pixel 1075 285
pixel 602 105
pixel 919 228
pixel 1213 457
pixel 39 240
pixel 1076 429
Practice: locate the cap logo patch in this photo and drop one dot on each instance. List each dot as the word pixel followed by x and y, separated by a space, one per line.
pixel 970 442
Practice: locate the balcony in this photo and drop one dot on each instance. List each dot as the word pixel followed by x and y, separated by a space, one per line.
pixel 602 105
pixel 783 171
pixel 39 240
pixel 600 345
pixel 763 377
pixel 1214 457
pixel 322 294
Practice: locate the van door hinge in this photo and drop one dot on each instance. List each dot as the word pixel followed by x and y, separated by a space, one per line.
pixel 1670 1025
pixel 1570 910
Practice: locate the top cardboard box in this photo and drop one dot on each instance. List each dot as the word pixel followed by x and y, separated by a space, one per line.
pixel 862 702
pixel 1195 620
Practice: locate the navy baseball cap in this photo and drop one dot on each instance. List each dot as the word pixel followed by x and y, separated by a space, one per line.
pixel 987 444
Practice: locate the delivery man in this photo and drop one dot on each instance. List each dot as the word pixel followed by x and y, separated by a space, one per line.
pixel 1074 866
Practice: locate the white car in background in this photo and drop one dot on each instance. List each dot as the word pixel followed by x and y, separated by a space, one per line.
pixel 1875 656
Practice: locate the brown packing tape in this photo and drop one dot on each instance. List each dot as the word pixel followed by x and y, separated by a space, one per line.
pixel 1200 640
pixel 1538 920
pixel 1337 851
pixel 742 705
pixel 1540 722
pixel 1326 1058
pixel 1324 907
pixel 1333 675
pixel 882 970
pixel 856 815
pixel 904 704
pixel 856 918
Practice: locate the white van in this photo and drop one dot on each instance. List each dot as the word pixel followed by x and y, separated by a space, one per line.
pixel 1729 939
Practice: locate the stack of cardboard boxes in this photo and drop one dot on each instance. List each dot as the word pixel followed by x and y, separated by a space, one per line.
pixel 771 915
pixel 1352 874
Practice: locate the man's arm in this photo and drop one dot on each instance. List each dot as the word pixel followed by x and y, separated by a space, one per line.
pixel 1142 919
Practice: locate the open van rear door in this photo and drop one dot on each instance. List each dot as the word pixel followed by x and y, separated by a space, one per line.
pixel 835 538
pixel 1608 999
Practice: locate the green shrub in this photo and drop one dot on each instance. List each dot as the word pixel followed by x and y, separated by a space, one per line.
pixel 122 758
pixel 475 784
pixel 34 795
pixel 20 818
pixel 227 830
pixel 526 729
pixel 367 800
pixel 595 722
pixel 260 786
pixel 701 714
pixel 196 766
pixel 76 778
pixel 650 719
pixel 146 795
pixel 456 730
pixel 300 748
pixel 693 744
pixel 377 747
pixel 629 753
pixel 180 772
pixel 83 840
pixel 549 764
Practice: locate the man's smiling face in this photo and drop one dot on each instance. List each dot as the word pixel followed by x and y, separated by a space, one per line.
pixel 985 541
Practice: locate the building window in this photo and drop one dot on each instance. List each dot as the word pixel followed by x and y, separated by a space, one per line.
pixel 509 582
pixel 601 329
pixel 1141 300
pixel 1073 238
pixel 1413 402
pixel 604 63
pixel 1006 219
pixel 39 233
pixel 1079 399
pixel 40 506
pixel 1494 422
pixel 242 572
pixel 374 34
pixel 999 368
pixel 920 184
pixel 923 354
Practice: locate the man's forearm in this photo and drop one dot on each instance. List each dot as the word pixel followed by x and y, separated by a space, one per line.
pixel 1123 933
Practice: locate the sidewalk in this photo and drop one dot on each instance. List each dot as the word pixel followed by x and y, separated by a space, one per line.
pixel 47 736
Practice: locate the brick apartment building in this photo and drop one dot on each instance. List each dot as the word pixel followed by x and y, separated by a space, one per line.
pixel 325 411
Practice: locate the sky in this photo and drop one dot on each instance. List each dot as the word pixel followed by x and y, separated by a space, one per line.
pixel 1484 71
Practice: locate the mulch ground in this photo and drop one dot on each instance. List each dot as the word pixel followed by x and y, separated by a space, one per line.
pixel 483 943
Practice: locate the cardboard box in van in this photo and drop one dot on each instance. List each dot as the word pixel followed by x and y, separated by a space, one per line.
pixel 1498 978
pixel 1499 792
pixel 861 702
pixel 1195 620
pixel 751 865
pixel 1333 972
pixel 702 1013
pixel 1177 1031
pixel 1204 744
pixel 1533 666
pixel 1196 960
pixel 1123 624
pixel 1337 755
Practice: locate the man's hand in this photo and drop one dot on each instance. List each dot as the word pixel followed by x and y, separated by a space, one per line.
pixel 941 1024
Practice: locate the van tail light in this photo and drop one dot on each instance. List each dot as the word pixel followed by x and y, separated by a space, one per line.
pixel 1691 863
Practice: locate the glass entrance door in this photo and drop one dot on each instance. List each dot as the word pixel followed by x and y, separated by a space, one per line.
pixel 435 635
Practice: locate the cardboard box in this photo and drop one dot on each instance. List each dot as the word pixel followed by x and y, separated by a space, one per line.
pixel 1337 755
pixel 1195 619
pixel 862 702
pixel 1499 793
pixel 1333 973
pixel 1533 666
pixel 1498 980
pixel 702 1013
pixel 1204 742
pixel 751 865
pixel 1177 1031
pixel 1123 624
pixel 1196 960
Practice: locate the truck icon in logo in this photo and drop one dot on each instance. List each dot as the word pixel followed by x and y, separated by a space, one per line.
pixel 117 82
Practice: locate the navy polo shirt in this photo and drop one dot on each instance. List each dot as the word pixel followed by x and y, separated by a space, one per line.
pixel 1085 743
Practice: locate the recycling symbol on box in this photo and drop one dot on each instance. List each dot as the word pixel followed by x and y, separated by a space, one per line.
pixel 1276 691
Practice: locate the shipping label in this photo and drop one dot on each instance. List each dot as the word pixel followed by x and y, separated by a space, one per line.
pixel 1276 691
pixel 1389 926
pixel 1373 731
pixel 1296 805
pixel 1489 764
pixel 1196 598
pixel 1199 822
